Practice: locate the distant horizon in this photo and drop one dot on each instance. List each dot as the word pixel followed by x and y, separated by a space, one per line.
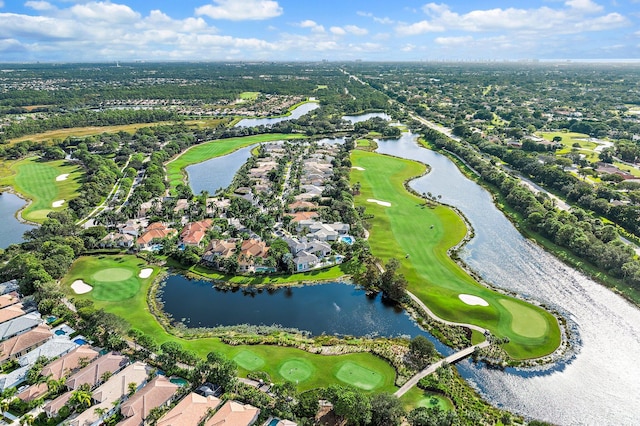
pixel 90 31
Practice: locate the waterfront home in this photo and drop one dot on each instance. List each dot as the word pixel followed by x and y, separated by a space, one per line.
pixel 218 250
pixel 155 232
pixel 250 251
pixel 158 392
pixel 190 411
pixel 193 233
pixel 305 261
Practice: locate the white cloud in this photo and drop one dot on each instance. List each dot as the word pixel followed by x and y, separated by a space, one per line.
pixel 241 10
pixel 312 25
pixel 384 21
pixel 349 29
pixel 39 5
pixel 453 41
pixel 541 20
pixel 105 12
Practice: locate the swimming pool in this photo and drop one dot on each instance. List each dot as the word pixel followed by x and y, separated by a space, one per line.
pixel 347 239
pixel 60 332
pixel 80 341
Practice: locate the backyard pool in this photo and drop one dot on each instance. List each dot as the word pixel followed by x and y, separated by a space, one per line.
pixel 347 239
pixel 80 341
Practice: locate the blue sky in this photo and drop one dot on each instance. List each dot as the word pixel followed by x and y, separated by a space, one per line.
pixel 401 30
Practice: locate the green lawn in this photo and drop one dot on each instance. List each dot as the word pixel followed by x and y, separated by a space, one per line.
pixel 407 227
pixel 249 96
pixel 417 397
pixel 568 139
pixel 208 150
pixel 36 180
pixel 275 360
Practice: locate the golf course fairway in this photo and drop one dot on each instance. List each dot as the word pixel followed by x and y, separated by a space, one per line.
pixel 50 185
pixel 419 236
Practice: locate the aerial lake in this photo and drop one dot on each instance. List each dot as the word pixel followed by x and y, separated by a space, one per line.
pixel 334 308
pixel 295 113
pixel 12 229
pixel 600 378
pixel 218 172
pixel 364 117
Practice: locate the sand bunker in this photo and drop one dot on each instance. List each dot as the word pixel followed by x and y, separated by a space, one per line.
pixel 80 287
pixel 357 168
pixel 58 203
pixel 145 273
pixel 473 300
pixel 382 203
pixel 62 177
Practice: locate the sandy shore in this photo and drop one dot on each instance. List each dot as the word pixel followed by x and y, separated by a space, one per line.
pixel 145 273
pixel 80 287
pixel 62 177
pixel 58 203
pixel 473 300
pixel 382 203
pixel 357 168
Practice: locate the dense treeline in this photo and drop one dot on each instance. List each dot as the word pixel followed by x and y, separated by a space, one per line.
pixel 586 237
pixel 84 119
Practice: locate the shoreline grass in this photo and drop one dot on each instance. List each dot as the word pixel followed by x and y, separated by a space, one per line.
pixel 205 151
pixel 420 237
pixel 135 311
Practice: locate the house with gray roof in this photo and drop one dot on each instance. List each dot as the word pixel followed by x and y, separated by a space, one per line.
pixel 19 325
pixel 52 348
pixel 305 261
pixel 9 286
pixel 13 379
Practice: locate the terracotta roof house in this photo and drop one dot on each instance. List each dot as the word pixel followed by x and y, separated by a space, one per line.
pixel 69 362
pixel 249 251
pixel 219 249
pixel 33 392
pixel 23 343
pixel 155 231
pixel 234 413
pixel 193 233
pixel 9 299
pixel 92 373
pixel 302 206
pixel 53 407
pixel 299 216
pixel 11 312
pixel 156 393
pixel 190 411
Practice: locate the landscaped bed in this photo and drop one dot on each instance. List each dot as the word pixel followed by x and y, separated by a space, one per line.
pixel 419 236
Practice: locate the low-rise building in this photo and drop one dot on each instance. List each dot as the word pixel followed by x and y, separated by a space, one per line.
pixel 66 364
pixel 19 325
pixel 23 343
pixel 52 348
pixel 190 411
pixel 158 392
pixel 234 413
pixel 92 373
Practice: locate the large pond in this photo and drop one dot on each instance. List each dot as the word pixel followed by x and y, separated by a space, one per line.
pixel 12 229
pixel 295 114
pixel 599 382
pixel 364 117
pixel 335 308
pixel 217 172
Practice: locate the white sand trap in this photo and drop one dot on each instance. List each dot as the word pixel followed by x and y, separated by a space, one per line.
pixel 382 203
pixel 357 168
pixel 80 287
pixel 145 273
pixel 473 300
pixel 62 177
pixel 58 203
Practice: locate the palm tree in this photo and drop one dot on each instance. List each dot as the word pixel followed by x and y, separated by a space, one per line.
pixel 132 387
pixel 27 419
pixel 80 399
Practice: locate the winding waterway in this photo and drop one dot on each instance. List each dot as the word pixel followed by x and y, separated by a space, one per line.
pixel 599 382
pixel 296 113
pixel 12 229
pixel 364 117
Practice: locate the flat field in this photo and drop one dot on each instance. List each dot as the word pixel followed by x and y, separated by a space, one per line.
pixel 420 236
pixel 208 150
pixel 45 183
pixel 282 363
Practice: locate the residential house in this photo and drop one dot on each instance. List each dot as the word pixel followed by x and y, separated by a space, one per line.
pixel 52 408
pixel 309 192
pixel 182 204
pixel 305 261
pixel 9 299
pixel 318 248
pixel 109 393
pixel 69 362
pixel 216 206
pixel 286 422
pixel 92 373
pixel 33 392
pixel 133 226
pixel 302 206
pixel 23 343
pixel 157 392
pixel 218 250
pixel 52 348
pixel 114 239
pixel 155 231
pixel 19 325
pixel 13 379
pixel 9 286
pixel 193 233
pixel 250 251
pixel 11 312
pixel 300 216
pixel 190 411
pixel 234 413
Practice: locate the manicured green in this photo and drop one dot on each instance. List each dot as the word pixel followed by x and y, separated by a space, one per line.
pixel 425 234
pixel 249 96
pixel 249 360
pixel 113 278
pixel 358 376
pixel 36 180
pixel 208 150
pixel 296 370
pixel 135 312
pixel 112 274
pixel 417 397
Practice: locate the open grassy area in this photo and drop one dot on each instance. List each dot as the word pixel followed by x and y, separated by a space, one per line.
pixel 208 150
pixel 419 237
pixel 275 360
pixel 586 148
pixel 42 182
pixel 249 96
pixel 417 397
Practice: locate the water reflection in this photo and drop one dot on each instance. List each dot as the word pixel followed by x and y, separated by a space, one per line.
pixel 295 114
pixel 217 172
pixel 11 230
